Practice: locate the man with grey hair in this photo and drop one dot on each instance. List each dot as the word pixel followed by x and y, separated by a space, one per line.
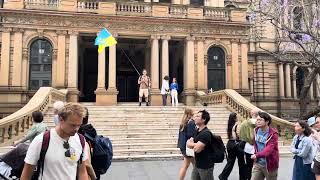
pixel 64 153
pixel 247 135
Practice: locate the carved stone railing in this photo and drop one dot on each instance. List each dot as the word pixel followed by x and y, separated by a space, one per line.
pixel 13 126
pixel 237 103
pixel 87 6
pixel 133 8
pixel 178 11
pixel 42 4
pixel 216 13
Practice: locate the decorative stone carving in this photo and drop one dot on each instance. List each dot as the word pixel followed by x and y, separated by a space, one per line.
pixel 165 37
pixel 18 30
pixel 6 29
pixel 74 33
pixel 190 38
pixel 62 32
pixel 229 60
pixel 155 37
pixel 205 59
pixel 40 33
pixel 25 53
pixel 54 54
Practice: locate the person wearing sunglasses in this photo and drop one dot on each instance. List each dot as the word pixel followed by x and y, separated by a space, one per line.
pixel 63 155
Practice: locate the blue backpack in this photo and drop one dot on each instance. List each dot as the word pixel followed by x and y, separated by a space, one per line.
pixel 102 153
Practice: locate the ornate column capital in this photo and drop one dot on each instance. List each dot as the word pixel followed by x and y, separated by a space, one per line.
pixel 6 29
pixel 234 41
pixel 165 37
pixel 190 38
pixel 73 33
pixel 61 32
pixel 54 54
pixel 155 37
pixel 19 30
pixel 244 41
pixel 200 38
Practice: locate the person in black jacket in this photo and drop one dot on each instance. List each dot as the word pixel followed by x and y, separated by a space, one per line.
pixel 235 150
pixel 187 130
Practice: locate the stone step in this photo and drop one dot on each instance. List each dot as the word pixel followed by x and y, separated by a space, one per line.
pixel 147 157
pixel 153 151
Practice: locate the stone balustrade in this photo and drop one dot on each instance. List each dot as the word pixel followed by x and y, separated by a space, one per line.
pixel 240 105
pixel 216 13
pixel 15 125
pixel 42 4
pixel 178 11
pixel 132 9
pixel 87 6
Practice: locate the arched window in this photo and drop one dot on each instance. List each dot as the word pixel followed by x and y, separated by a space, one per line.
pixel 216 69
pixel 297 18
pixel 40 64
pixel 299 80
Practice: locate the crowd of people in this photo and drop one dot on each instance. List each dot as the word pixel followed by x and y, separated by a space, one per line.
pixel 253 142
pixel 144 83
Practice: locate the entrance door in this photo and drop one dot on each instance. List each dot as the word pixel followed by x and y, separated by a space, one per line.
pixel 216 69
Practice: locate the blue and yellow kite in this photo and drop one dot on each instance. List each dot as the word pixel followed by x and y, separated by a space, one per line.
pixel 104 39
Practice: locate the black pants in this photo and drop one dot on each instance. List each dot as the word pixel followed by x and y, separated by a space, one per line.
pixel 234 151
pixel 249 165
pixel 164 99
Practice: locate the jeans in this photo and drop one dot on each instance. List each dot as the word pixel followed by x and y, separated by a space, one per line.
pixel 202 174
pixel 234 153
pixel 164 99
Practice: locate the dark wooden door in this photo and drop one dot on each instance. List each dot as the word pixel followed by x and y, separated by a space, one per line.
pixel 216 69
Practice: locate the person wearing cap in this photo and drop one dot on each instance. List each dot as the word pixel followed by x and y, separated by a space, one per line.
pixel 314 123
pixel 58 105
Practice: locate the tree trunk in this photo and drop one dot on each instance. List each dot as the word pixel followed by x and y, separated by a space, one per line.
pixel 304 98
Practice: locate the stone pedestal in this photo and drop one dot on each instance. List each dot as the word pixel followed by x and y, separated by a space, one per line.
pixel 73 95
pixel 189 97
pixel 106 98
pixel 156 98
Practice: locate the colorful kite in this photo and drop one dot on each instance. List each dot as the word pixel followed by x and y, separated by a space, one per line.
pixel 104 39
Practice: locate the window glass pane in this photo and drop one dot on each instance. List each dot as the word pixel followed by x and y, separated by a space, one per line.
pixel 45 83
pixel 34 84
pixel 35 68
pixel 47 68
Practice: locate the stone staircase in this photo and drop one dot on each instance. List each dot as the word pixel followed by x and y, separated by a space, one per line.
pixel 148 132
pixel 140 133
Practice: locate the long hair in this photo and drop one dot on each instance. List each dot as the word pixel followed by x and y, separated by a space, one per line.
pixel 231 122
pixel 188 113
pixel 307 130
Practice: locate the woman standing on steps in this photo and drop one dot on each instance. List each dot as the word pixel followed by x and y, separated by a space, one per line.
pixel 187 130
pixel 235 150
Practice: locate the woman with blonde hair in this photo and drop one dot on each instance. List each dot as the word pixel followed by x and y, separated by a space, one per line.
pixel 187 130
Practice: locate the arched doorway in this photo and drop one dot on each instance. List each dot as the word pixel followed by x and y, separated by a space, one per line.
pixel 40 66
pixel 299 80
pixel 216 69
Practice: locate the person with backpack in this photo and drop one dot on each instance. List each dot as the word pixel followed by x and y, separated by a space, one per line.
pixel 37 128
pixel 101 150
pixel 59 152
pixel 84 129
pixel 266 157
pixel 202 146
pixel 187 130
pixel 235 150
pixel 144 83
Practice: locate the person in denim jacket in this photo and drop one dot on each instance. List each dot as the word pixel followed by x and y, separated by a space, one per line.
pixel 302 148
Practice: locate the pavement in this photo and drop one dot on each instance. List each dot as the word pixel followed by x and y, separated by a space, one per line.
pixel 169 170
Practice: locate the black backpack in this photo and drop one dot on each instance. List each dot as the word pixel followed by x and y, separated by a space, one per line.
pixel 218 149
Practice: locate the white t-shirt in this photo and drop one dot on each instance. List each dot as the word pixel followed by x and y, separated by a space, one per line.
pixel 56 164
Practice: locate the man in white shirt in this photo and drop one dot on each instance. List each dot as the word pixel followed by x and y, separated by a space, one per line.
pixel 64 151
pixel 246 134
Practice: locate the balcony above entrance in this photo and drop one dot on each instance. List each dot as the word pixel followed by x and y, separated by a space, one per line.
pixel 211 10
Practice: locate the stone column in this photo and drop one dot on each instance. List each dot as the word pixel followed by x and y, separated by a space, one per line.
pixel 175 2
pixel 188 72
pixel 17 58
pixel 201 64
pixel 311 87
pixel 5 57
pixel 294 82
pixel 155 91
pixel 288 81
pixel 229 71
pixel 244 66
pixel 165 56
pixel 61 59
pixel 73 68
pixel 101 84
pixel 112 92
pixel 281 80
pixel 24 72
pixel 235 65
